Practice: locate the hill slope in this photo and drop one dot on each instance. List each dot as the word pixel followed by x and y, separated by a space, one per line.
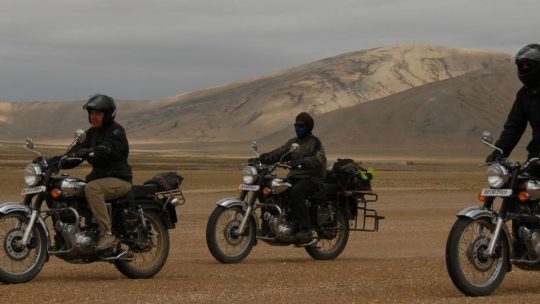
pixel 257 107
pixel 447 114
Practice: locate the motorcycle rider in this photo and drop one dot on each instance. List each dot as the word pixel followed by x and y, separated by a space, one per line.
pixel 526 108
pixel 308 169
pixel 106 148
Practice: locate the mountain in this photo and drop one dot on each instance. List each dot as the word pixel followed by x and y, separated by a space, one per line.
pixel 258 107
pixel 445 115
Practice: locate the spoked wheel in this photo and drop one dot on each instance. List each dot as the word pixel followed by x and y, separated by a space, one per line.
pixel 19 264
pixel 150 253
pixel 222 237
pixel 474 273
pixel 332 244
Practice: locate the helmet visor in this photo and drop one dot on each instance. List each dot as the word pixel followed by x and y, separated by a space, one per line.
pixel 527 53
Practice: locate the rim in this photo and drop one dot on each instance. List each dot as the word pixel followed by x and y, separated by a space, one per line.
pixel 228 242
pixel 149 254
pixel 329 245
pixel 477 269
pixel 17 260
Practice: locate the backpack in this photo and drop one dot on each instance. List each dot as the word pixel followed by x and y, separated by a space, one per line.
pixel 350 176
pixel 165 181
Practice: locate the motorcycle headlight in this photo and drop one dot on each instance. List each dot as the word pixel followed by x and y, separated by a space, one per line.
pixel 32 174
pixel 497 175
pixel 249 175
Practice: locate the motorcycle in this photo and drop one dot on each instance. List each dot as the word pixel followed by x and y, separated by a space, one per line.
pixel 233 227
pixel 140 221
pixel 485 241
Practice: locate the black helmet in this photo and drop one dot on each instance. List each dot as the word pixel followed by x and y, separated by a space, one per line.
pixel 527 60
pixel 101 103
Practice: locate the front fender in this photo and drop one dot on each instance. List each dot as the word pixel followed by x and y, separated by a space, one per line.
pixel 14 207
pixel 478 212
pixel 475 212
pixel 230 202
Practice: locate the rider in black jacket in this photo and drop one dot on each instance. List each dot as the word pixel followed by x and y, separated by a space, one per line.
pixel 308 169
pixel 106 148
pixel 526 108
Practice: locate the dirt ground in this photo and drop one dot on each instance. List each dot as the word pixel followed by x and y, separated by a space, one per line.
pixel 402 263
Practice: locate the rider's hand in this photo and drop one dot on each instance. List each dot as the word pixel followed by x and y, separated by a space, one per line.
pixel 494 156
pixel 253 160
pixel 83 153
pixel 294 163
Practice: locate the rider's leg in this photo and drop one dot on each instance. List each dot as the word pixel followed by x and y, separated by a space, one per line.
pixel 301 190
pixel 97 192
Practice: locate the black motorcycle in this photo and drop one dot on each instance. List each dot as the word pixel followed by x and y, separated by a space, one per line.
pixel 140 221
pixel 487 240
pixel 234 226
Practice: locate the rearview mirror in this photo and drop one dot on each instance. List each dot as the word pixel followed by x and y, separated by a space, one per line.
pixel 29 144
pixel 487 137
pixel 254 146
pixel 79 135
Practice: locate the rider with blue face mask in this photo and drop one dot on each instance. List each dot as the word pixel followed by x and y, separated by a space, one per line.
pixel 308 169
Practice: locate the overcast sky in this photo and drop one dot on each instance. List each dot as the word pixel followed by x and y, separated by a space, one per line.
pixel 135 49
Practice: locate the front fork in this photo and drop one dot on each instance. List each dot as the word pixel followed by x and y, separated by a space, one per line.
pixel 33 217
pixel 499 222
pixel 26 236
pixel 247 214
pixel 492 243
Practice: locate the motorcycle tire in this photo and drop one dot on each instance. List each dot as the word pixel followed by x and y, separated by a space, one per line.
pixel 466 263
pixel 329 249
pixel 36 251
pixel 139 267
pixel 220 229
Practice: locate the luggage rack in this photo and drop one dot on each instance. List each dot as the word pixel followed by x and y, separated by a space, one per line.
pixel 371 215
pixel 170 195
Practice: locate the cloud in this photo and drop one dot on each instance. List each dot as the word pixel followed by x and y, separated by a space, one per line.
pixel 64 50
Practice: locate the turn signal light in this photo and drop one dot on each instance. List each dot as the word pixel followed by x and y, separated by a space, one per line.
pixel 523 196
pixel 267 191
pixel 481 197
pixel 55 193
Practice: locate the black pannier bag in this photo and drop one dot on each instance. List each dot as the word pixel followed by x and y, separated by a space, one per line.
pixel 165 181
pixel 350 176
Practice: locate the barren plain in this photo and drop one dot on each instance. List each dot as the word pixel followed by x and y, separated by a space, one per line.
pixel 402 263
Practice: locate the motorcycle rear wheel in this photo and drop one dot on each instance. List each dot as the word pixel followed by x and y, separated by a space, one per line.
pixel 147 263
pixel 329 249
pixel 471 272
pixel 224 245
pixel 20 264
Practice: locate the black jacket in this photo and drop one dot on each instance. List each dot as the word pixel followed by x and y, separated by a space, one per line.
pixel 526 109
pixel 110 147
pixel 310 155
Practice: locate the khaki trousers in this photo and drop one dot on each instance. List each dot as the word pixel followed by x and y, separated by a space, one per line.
pixel 100 190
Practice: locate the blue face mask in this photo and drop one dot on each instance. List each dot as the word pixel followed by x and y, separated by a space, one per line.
pixel 301 130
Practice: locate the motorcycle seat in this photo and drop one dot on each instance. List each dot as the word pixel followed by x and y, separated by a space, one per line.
pixel 143 191
pixel 137 191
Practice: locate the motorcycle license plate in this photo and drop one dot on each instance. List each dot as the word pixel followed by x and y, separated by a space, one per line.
pixel 496 192
pixel 249 187
pixel 33 190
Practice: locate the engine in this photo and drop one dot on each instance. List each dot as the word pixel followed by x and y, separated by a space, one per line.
pixel 78 242
pixel 278 226
pixel 532 241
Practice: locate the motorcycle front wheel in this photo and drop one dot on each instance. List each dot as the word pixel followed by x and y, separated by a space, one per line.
pixel 223 241
pixel 471 271
pixel 150 254
pixel 20 264
pixel 329 248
